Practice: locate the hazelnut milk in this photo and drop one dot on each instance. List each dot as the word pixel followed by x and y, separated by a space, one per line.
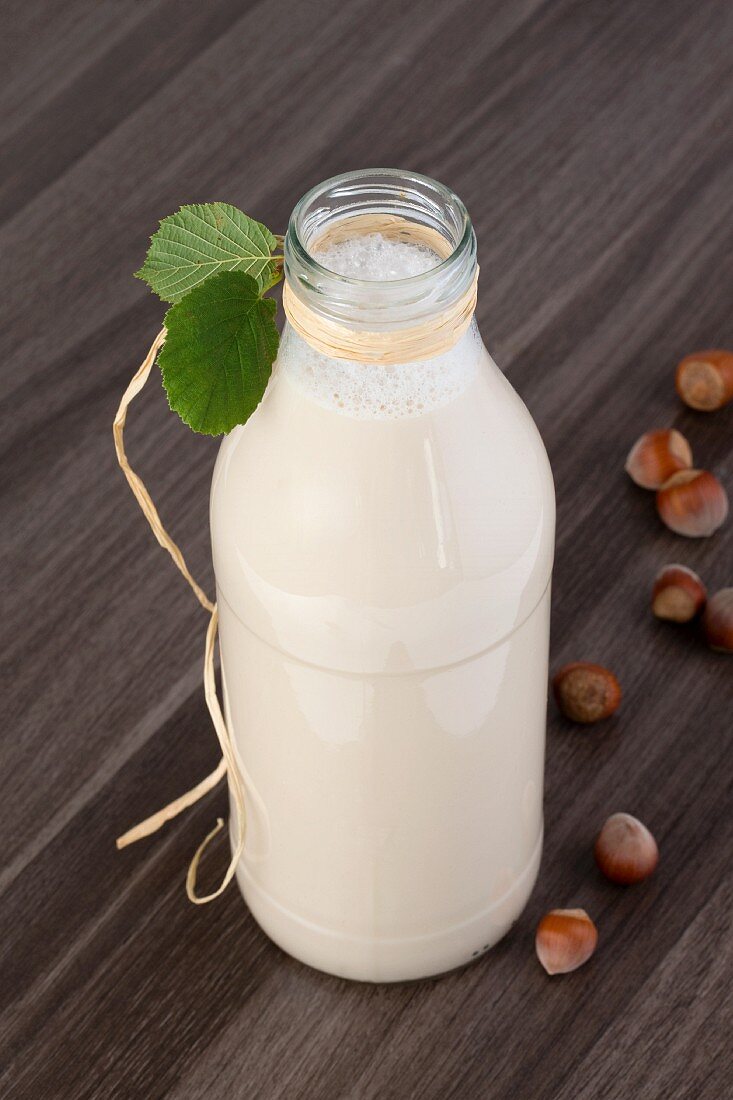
pixel 383 541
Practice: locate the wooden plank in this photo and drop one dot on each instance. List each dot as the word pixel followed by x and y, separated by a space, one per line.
pixel 133 41
pixel 679 1019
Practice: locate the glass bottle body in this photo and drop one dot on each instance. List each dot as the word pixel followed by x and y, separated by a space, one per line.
pixel 383 548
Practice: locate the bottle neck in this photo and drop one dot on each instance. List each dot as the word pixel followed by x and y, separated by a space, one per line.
pixel 397 205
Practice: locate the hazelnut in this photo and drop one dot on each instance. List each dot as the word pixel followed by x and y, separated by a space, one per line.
pixel 692 503
pixel 678 594
pixel 625 851
pixel 656 456
pixel 586 692
pixel 704 380
pixel 565 939
pixel 718 621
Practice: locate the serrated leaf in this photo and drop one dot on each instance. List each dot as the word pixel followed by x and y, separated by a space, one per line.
pixel 203 240
pixel 220 344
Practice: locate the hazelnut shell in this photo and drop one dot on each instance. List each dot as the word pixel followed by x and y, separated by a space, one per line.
pixel 565 939
pixel 678 594
pixel 656 456
pixel 625 850
pixel 704 380
pixel 585 692
pixel 693 503
pixel 718 621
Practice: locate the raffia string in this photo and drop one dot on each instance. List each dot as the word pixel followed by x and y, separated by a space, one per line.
pixel 432 337
pixel 228 763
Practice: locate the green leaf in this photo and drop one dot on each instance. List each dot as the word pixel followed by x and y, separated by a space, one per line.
pixel 203 240
pixel 220 344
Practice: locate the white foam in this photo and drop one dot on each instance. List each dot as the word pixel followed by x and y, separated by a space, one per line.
pixel 367 390
pixel 377 258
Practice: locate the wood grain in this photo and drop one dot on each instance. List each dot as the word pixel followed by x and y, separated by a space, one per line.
pixel 592 143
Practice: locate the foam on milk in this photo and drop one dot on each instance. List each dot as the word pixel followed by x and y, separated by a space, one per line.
pixel 376 258
pixel 368 390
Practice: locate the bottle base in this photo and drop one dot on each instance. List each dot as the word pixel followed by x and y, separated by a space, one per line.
pixel 372 959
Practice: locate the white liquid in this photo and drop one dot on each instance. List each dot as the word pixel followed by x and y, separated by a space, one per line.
pixel 377 258
pixel 383 543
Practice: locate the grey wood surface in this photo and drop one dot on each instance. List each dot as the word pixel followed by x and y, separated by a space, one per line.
pixel 592 142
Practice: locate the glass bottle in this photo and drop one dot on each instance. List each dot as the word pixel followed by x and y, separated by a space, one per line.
pixel 383 536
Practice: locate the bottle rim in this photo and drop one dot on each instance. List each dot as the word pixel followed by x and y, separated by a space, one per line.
pixel 415 196
pixel 370 304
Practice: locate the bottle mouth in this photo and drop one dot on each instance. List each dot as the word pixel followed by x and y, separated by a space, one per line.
pixel 414 200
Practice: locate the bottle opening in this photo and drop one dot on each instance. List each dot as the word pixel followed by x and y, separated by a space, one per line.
pixel 380 291
pixel 380 249
pixel 375 255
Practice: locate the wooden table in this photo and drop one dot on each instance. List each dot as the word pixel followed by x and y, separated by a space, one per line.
pixel 592 144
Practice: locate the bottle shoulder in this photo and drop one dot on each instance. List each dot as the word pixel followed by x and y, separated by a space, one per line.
pixel 448 516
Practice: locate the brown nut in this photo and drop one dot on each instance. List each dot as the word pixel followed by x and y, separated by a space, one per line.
pixel 693 503
pixel 678 594
pixel 656 456
pixel 565 939
pixel 704 380
pixel 585 692
pixel 718 621
pixel 625 851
